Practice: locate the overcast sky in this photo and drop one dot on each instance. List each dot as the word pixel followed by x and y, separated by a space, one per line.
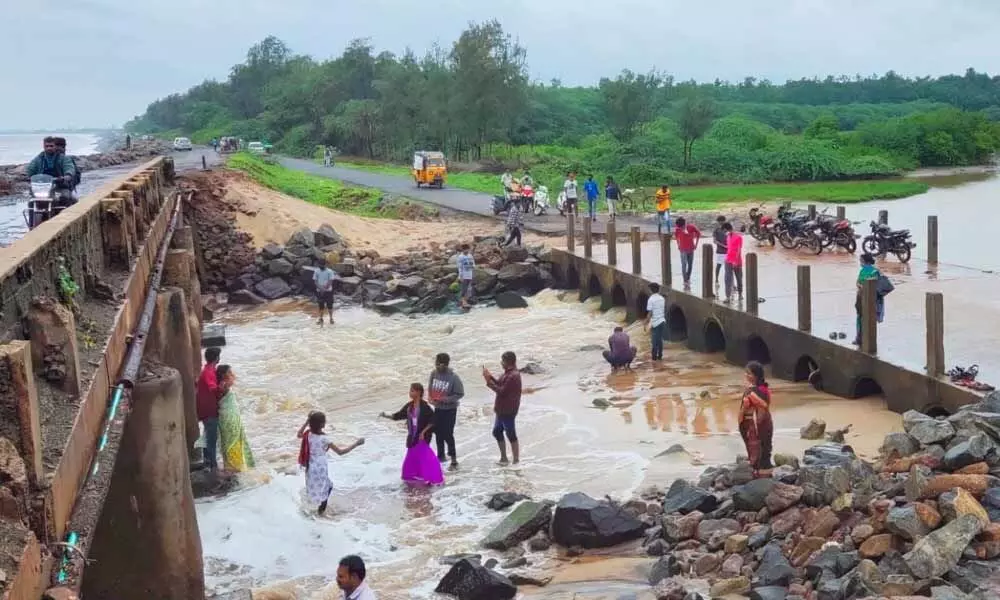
pixel 100 62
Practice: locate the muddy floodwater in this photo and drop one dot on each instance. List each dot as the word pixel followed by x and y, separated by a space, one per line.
pixel 267 535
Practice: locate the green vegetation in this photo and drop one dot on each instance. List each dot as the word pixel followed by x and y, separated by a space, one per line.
pixel 475 102
pixel 318 190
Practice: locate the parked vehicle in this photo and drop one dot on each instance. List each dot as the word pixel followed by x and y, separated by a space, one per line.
pixel 562 204
pixel 527 197
pixel 182 144
pixel 797 230
pixel 256 148
pixel 839 232
pixel 762 227
pixel 430 169
pixel 541 201
pixel 500 204
pixel 884 240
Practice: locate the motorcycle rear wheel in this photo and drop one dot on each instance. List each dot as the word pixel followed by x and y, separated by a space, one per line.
pixel 849 244
pixel 813 243
pixel 903 253
pixel 871 245
pixel 786 240
pixel 538 211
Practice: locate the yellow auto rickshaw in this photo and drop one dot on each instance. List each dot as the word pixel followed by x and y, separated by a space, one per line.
pixel 430 169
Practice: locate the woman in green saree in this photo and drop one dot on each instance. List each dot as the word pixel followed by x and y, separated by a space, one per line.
pixel 236 454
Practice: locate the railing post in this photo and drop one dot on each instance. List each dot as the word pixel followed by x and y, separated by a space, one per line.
pixel 805 297
pixel 753 296
pixel 570 233
pixel 932 239
pixel 841 212
pixel 883 217
pixel 812 211
pixel 869 322
pixel 666 266
pixel 204 163
pixel 636 251
pixel 707 251
pixel 612 236
pixel 935 333
pixel 588 242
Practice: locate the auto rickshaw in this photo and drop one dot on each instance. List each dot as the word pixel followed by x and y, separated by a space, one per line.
pixel 430 169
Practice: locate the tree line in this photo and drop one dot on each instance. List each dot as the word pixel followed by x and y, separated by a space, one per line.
pixel 476 102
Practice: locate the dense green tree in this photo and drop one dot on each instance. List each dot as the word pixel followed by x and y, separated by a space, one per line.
pixel 628 101
pixel 694 119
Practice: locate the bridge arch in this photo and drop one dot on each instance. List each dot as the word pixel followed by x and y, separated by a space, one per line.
pixel 640 305
pixel 936 412
pixel 677 327
pixel 715 338
pixel 758 350
pixel 803 367
pixel 865 386
pixel 618 297
pixel 594 287
pixel 572 280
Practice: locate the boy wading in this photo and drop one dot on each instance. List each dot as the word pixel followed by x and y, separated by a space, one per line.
pixel 445 390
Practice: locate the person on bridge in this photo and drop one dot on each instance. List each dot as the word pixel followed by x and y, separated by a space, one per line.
pixel 506 405
pixel 571 189
pixel 420 466
pixel 236 454
pixel 719 237
pixel 312 457
pixel 56 164
pixel 734 261
pixel 621 352
pixel 445 389
pixel 611 195
pixel 656 320
pixel 663 204
pixel 756 426
pixel 208 407
pixel 687 236
pixel 868 272
pixel 590 188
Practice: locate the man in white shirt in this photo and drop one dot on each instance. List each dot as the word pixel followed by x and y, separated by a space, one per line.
pixel 323 277
pixel 571 188
pixel 656 319
pixel 351 579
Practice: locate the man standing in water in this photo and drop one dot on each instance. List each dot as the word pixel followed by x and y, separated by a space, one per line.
pixel 323 278
pixel 466 270
pixel 207 397
pixel 351 579
pixel 506 404
pixel 656 320
pixel 445 390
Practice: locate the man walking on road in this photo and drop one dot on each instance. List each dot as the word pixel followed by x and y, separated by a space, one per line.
pixel 590 188
pixel 687 237
pixel 506 404
pixel 445 390
pixel 656 320
pixel 663 202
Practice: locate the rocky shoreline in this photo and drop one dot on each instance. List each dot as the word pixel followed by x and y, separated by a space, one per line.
pixel 424 280
pixel 923 520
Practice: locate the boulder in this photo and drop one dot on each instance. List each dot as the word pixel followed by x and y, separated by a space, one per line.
pixel 814 430
pixel 769 592
pixel 729 587
pixel 804 549
pixel 524 579
pixel 469 580
pixel 785 522
pixel 484 280
pixel 977 448
pixel 715 532
pixel 927 430
pixel 523 522
pixel 781 459
pixel 683 497
pixel 831 562
pixel 344 269
pixel 271 251
pixel 245 297
pixel 301 239
pixel 913 521
pixel 822 483
pixel 509 299
pixel 899 445
pixel 936 554
pixel 280 267
pixel 977 577
pixel 822 523
pixel 991 502
pixel 677 528
pixel 326 235
pixel 781 497
pixel 504 500
pixel 732 565
pixel 876 545
pixel 736 544
pixel 272 288
pixel 540 542
pixel 759 537
pixel 752 496
pixel 520 276
pixel 919 485
pixel 774 569
pixel 663 568
pixel 411 285
pixel 394 306
pixel 957 502
pixel 669 589
pixel 580 520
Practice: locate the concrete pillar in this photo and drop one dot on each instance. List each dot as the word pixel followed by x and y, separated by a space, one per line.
pixel 753 292
pixel 588 241
pixel 612 236
pixel 666 264
pixel 19 405
pixel 812 211
pixel 804 293
pixel 52 331
pixel 128 206
pixel 169 342
pixel 636 251
pixel 883 217
pixel 117 242
pixel 869 323
pixel 707 290
pixel 841 212
pixel 179 271
pixel 184 239
pixel 932 239
pixel 570 233
pixel 934 311
pixel 147 545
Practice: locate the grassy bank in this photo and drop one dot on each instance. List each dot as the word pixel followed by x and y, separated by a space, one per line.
pixel 366 202
pixel 705 197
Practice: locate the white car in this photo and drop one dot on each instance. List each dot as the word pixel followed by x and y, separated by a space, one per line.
pixel 256 148
pixel 182 143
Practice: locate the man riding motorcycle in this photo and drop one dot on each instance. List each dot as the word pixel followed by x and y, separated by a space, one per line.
pixel 53 161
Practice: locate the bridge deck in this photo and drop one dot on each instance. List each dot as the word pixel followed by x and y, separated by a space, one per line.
pixel 971 300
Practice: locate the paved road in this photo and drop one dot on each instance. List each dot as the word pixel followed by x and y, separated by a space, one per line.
pixel 452 198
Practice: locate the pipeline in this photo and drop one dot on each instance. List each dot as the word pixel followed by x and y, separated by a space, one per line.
pixel 83 523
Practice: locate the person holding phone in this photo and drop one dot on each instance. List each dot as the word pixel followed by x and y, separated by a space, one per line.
pixel 506 405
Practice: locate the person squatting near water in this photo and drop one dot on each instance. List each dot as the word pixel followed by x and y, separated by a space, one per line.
pixel 312 457
pixel 621 352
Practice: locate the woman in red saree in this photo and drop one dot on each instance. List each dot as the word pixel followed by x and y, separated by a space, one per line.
pixel 756 426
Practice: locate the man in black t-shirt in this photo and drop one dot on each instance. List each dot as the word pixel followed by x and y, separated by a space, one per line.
pixel 719 237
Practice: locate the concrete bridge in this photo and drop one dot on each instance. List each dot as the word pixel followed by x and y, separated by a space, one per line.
pixel 620 275
pixel 100 324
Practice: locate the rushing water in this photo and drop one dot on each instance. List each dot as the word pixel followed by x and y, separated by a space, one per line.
pixel 287 366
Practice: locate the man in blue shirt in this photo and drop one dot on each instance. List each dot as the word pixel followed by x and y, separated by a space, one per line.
pixel 590 187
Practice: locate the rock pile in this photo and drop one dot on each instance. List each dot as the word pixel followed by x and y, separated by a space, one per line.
pixel 921 521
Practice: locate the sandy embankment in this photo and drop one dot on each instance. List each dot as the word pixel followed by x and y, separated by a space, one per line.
pixel 271 216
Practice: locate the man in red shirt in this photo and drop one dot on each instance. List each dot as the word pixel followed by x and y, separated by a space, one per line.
pixel 506 404
pixel 208 406
pixel 687 237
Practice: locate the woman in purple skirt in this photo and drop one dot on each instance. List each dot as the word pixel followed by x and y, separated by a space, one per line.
pixel 421 466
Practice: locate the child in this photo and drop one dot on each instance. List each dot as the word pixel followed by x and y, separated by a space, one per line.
pixel 420 466
pixel 312 456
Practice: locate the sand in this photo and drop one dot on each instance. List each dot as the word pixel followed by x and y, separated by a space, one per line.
pixel 272 217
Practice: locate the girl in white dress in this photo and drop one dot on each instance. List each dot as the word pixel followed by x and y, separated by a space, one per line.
pixel 312 456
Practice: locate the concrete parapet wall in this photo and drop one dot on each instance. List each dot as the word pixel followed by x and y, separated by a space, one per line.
pixel 708 326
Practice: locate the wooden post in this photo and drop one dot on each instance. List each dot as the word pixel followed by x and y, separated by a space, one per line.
pixel 753 295
pixel 666 267
pixel 805 297
pixel 935 333
pixel 19 400
pixel 707 251
pixel 812 211
pixel 612 236
pixel 883 217
pixel 869 323
pixel 841 212
pixel 204 164
pixel 570 233
pixel 588 245
pixel 932 239
pixel 636 251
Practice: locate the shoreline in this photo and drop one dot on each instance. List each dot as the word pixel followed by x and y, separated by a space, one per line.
pixel 12 176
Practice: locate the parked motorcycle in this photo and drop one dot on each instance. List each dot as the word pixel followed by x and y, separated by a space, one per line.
pixel 43 204
pixel 527 198
pixel 884 240
pixel 762 226
pixel 562 204
pixel 797 231
pixel 834 231
pixel 541 201
pixel 500 204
